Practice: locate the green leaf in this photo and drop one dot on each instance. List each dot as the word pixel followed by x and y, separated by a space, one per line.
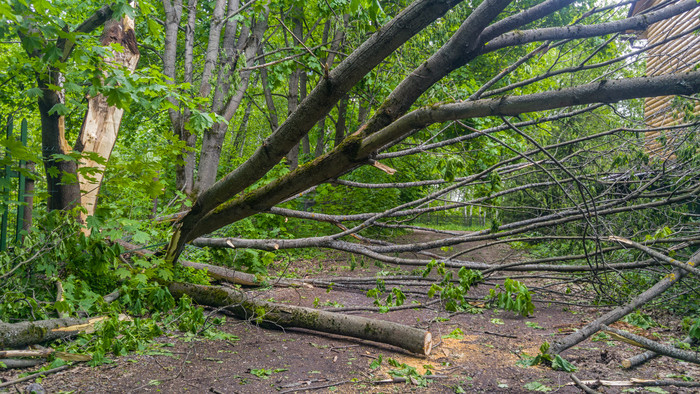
pixel 457 333
pixel 561 364
pixel 59 109
pixel 537 386
pixel 141 237
pixel 656 390
pixel 376 362
pixel 34 92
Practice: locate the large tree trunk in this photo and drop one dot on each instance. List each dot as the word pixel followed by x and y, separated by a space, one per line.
pixel 101 125
pixel 61 175
pixel 341 124
pixel 279 315
pixel 213 139
pixel 320 141
pixel 294 79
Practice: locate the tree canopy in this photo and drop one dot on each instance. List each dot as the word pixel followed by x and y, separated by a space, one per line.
pixel 206 128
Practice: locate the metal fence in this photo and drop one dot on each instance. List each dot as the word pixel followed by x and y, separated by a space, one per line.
pixel 21 199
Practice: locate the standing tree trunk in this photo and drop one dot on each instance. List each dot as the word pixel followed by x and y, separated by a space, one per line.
pixel 340 125
pixel 101 125
pixel 213 139
pixel 303 79
pixel 293 96
pixel 61 175
pixel 320 141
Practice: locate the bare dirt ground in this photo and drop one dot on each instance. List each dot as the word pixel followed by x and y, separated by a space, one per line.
pixel 483 359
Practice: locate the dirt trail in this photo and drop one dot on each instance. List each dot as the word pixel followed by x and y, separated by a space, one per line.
pixel 483 358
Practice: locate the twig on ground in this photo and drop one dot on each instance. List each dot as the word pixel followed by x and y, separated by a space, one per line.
pixel 35 375
pixel 582 385
pixel 500 335
pixel 323 386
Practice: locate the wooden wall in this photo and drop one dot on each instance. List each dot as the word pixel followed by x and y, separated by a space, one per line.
pixel 679 55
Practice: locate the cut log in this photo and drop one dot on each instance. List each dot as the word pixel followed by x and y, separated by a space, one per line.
pixel 29 333
pixel 277 315
pixel 640 359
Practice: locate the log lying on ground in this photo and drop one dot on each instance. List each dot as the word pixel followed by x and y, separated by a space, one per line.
pixel 640 359
pixel 277 315
pixel 634 382
pixel 645 343
pixel 15 335
pixel 591 328
pixel 617 313
pixel 19 363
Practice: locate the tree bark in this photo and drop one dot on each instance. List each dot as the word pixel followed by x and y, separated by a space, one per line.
pixel 29 333
pixel 654 346
pixel 100 127
pixel 28 199
pixel 213 139
pixel 61 174
pixel 320 140
pixel 279 315
pixel 642 358
pixel 617 313
pixel 341 124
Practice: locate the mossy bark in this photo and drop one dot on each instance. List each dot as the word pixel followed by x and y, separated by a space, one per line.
pixel 277 315
pixel 29 333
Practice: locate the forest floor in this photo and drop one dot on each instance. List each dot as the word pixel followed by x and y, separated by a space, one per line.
pixel 483 358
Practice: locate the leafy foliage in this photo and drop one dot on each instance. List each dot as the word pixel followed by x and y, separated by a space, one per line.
pixel 513 296
pixel 453 293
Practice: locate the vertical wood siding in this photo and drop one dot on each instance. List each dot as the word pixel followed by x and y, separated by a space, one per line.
pixel 679 55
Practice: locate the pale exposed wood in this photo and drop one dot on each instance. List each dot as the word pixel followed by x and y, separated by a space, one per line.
pixel 101 124
pixel 29 333
pixel 26 353
pixel 674 56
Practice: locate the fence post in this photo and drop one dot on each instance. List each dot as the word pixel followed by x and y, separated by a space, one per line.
pixel 6 192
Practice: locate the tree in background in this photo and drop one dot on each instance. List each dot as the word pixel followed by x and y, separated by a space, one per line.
pixel 521 110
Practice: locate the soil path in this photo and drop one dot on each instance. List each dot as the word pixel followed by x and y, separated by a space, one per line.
pixel 483 357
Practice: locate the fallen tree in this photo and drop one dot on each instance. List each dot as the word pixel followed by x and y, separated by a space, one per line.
pixel 551 153
pixel 279 315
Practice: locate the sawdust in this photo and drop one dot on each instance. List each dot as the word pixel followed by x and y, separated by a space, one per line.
pixel 454 352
